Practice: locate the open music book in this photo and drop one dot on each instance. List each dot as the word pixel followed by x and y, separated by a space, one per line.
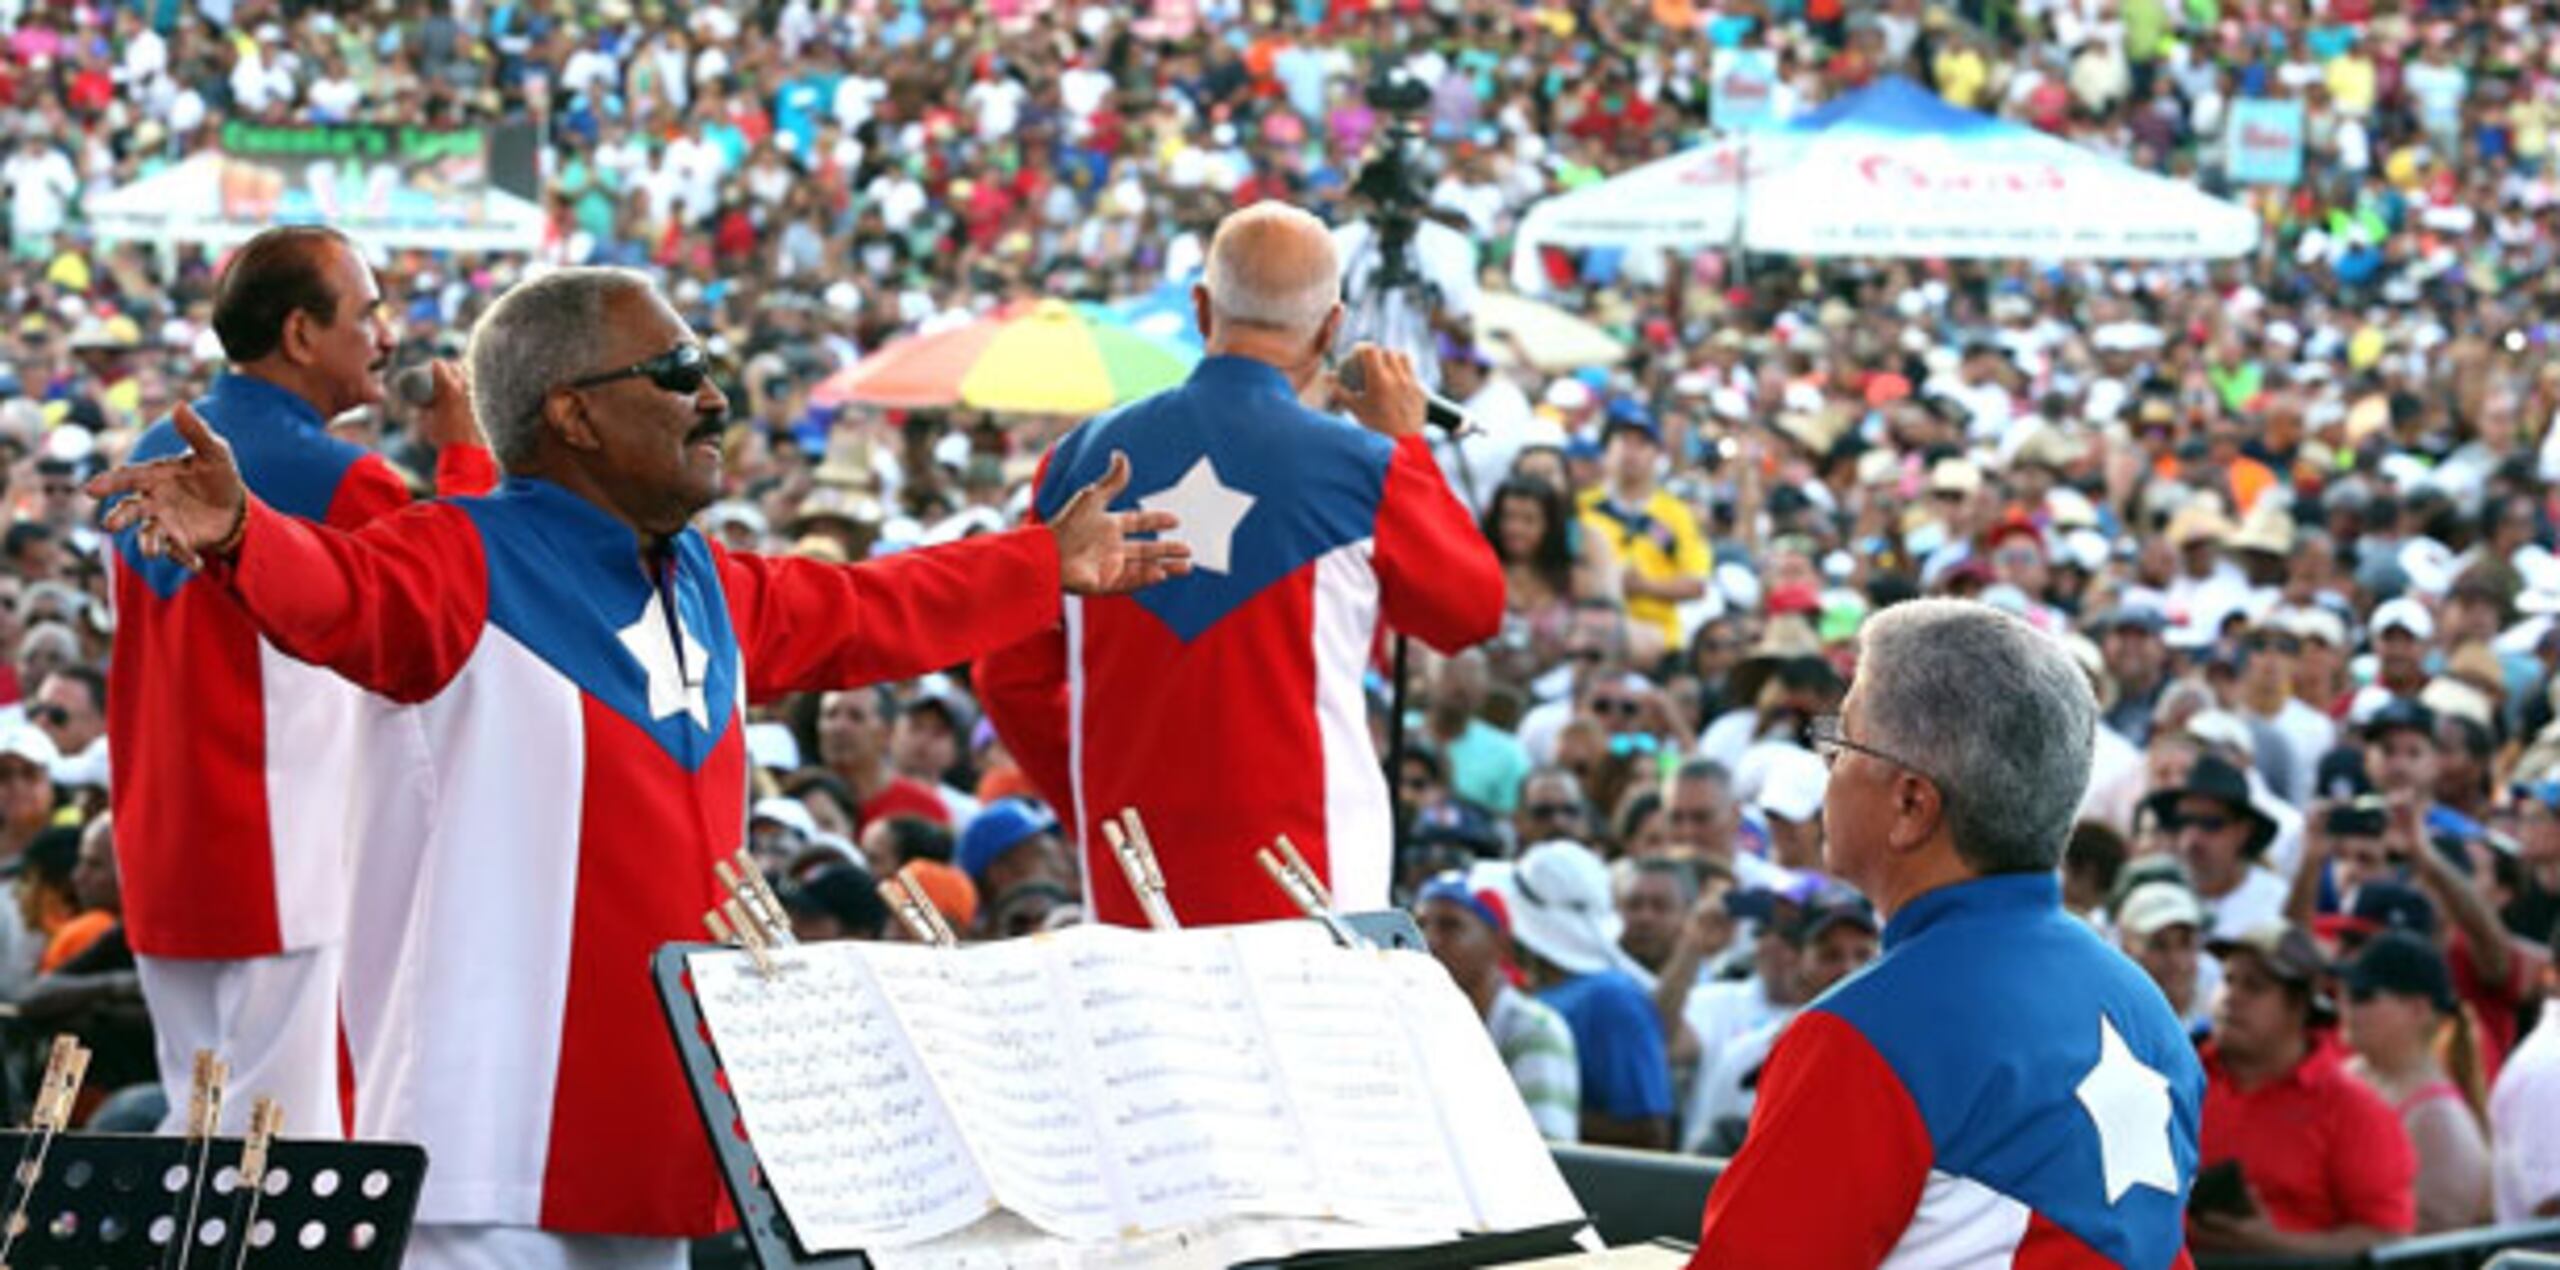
pixel 1107 1085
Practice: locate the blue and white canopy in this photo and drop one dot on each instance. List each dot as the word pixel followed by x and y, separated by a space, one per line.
pixel 1892 170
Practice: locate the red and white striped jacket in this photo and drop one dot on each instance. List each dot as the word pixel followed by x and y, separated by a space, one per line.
pixel 235 765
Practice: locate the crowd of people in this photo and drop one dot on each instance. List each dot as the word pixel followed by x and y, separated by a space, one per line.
pixel 2291 513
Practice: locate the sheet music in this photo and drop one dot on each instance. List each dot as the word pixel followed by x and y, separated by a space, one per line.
pixel 1353 1080
pixel 991 1029
pixel 1511 1180
pixel 1182 1078
pixel 856 1141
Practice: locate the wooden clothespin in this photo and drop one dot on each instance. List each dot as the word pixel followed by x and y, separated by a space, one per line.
pixel 916 912
pixel 64 1070
pixel 266 1120
pixel 751 936
pixel 1290 873
pixel 204 1095
pixel 1137 855
pixel 743 880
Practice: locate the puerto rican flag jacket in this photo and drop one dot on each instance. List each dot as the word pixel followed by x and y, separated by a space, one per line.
pixel 1227 705
pixel 574 764
pixel 235 764
pixel 2000 1088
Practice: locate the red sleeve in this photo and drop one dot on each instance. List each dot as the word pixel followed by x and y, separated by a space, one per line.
pixel 2373 1170
pixel 369 491
pixel 396 607
pixel 465 469
pixel 1834 1163
pixel 1438 578
pixel 806 625
pixel 1023 687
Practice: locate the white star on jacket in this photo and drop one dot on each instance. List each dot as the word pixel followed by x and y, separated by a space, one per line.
pixel 1209 509
pixel 2128 1102
pixel 670 693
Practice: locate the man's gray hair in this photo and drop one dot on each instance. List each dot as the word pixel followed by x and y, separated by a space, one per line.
pixel 541 334
pixel 1245 288
pixel 1994 712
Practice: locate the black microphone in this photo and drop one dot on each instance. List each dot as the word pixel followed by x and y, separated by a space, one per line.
pixel 1438 411
pixel 416 385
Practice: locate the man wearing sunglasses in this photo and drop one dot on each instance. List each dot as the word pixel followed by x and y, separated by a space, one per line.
pixel 232 760
pixel 579 659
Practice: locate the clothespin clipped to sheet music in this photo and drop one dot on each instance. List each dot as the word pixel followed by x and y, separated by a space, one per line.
pixel 730 925
pixel 915 911
pixel 744 880
pixel 1137 855
pixel 1290 873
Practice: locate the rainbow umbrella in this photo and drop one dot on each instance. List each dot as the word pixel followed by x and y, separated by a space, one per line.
pixel 1041 357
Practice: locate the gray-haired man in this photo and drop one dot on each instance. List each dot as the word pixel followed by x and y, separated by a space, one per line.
pixel 580 660
pixel 2000 1077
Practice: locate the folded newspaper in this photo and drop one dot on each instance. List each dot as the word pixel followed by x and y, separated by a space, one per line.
pixel 1108 1096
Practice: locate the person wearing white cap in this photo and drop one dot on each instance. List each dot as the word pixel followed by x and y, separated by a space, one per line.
pixel 1789 801
pixel 1567 930
pixel 2160 925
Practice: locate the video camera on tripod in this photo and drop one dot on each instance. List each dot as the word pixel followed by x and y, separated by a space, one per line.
pixel 1396 180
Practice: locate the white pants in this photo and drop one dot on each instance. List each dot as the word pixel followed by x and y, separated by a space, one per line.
pixel 442 1247
pixel 274 1020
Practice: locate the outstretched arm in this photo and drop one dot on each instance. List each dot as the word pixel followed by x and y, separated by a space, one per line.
pixel 808 625
pixel 395 608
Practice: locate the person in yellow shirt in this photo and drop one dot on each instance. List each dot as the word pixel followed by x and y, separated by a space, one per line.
pixel 1961 72
pixel 1651 532
pixel 2353 81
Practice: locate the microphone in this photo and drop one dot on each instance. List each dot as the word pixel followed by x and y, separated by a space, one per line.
pixel 416 385
pixel 1438 411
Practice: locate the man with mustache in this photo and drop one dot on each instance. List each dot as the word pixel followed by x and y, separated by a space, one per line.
pixel 580 660
pixel 232 818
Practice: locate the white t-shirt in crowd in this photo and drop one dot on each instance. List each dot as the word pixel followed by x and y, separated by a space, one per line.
pixel 2524 1122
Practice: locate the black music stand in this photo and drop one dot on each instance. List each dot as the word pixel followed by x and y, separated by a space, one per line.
pixel 113 1201
pixel 772 1243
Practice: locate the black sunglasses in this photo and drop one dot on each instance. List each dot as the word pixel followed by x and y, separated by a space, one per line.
pixel 2206 823
pixel 678 370
pixel 1552 811
pixel 58 716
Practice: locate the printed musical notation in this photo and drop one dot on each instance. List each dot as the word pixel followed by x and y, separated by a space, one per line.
pixel 1111 1088
pixel 857 1143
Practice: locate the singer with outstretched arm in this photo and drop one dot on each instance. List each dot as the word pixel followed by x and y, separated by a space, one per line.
pixel 573 662
pixel 1227 705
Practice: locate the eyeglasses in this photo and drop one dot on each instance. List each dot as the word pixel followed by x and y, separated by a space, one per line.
pixel 1621 707
pixel 53 715
pixel 678 370
pixel 1827 740
pixel 1553 811
pixel 2203 824
pixel 2284 644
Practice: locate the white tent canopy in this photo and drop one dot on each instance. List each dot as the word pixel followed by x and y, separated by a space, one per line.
pixel 184 204
pixel 1891 170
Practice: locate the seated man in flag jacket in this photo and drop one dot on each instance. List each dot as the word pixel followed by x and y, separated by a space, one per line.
pixel 578 660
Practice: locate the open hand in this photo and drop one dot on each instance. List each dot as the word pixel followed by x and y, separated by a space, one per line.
pixel 186 505
pixel 1098 549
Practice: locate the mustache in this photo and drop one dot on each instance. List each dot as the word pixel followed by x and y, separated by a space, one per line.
pixel 712 428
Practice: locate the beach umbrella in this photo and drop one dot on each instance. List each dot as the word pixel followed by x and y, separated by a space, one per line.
pixel 1038 357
